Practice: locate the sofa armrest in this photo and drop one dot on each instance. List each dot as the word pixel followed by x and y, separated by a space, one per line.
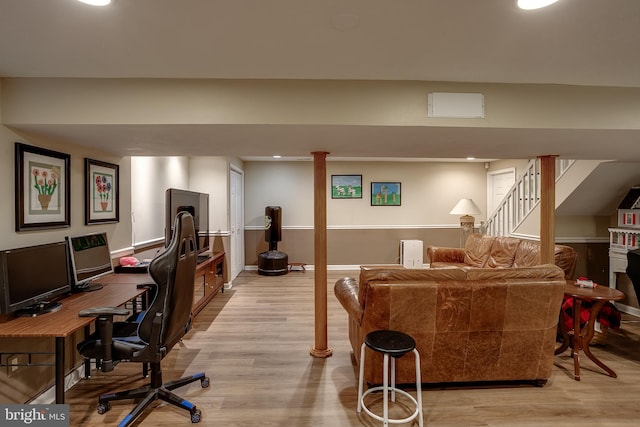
pixel 346 290
pixel 441 254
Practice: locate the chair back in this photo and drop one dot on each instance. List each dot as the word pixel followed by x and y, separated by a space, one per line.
pixel 174 273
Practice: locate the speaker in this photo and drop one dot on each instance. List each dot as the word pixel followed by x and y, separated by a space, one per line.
pixel 273 224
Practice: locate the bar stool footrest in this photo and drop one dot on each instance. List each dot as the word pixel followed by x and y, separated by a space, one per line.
pixel 390 420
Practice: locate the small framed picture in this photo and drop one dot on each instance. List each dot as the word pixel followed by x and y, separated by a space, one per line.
pixel 385 194
pixel 102 196
pixel 346 186
pixel 42 188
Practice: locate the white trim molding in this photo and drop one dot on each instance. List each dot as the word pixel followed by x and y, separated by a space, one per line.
pixel 359 227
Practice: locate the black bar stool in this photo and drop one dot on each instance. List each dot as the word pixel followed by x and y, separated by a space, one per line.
pixel 395 344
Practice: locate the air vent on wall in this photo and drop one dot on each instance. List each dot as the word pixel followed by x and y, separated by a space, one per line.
pixel 456 105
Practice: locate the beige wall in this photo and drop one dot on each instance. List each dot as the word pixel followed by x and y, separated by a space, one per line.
pixel 151 176
pixel 211 175
pixel 174 101
pixel 428 192
pixel 359 233
pixel 350 248
pixel 119 233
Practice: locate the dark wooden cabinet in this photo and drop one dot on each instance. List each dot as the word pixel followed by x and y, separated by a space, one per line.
pixel 209 281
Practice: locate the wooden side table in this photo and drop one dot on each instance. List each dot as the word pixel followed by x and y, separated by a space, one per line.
pixel 579 338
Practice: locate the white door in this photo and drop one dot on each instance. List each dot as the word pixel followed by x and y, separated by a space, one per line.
pixel 498 185
pixel 236 214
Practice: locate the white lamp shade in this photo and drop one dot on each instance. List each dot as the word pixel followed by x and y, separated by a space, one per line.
pixel 465 207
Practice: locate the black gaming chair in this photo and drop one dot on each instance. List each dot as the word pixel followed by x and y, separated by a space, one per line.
pixel 633 270
pixel 166 320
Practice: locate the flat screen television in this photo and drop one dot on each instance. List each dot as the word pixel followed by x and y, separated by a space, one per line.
pixel 90 259
pixel 197 204
pixel 32 277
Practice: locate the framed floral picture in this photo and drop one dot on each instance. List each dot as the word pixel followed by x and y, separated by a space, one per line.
pixel 42 188
pixel 385 194
pixel 102 196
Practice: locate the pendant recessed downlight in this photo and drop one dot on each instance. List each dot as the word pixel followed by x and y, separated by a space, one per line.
pixel 534 4
pixel 96 2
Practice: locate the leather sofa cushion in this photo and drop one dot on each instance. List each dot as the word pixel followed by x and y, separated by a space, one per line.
pixel 389 275
pixel 477 250
pixel 527 254
pixel 502 252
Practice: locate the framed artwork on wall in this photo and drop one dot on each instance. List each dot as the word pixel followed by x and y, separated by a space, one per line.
pixel 385 194
pixel 42 188
pixel 346 186
pixel 102 195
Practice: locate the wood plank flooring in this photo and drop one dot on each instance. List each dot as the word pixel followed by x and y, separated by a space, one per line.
pixel 253 341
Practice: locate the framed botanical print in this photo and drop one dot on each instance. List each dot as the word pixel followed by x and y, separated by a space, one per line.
pixel 385 194
pixel 42 193
pixel 102 195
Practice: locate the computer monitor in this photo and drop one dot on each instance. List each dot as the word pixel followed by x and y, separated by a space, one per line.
pixel 32 277
pixel 197 204
pixel 90 259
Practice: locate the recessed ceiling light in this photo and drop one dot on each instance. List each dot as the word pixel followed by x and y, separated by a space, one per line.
pixel 471 158
pixel 534 4
pixel 277 156
pixel 96 2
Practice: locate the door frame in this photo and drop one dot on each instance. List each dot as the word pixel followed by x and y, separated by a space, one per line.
pixel 236 222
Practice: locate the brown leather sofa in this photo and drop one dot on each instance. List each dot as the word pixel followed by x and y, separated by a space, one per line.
pixel 500 252
pixel 470 324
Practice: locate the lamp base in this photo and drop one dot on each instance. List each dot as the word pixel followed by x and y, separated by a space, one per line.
pixel 466 228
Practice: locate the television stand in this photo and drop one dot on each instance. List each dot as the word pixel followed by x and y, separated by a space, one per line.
pixel 38 309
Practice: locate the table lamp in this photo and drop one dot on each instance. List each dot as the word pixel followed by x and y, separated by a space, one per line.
pixel 467 208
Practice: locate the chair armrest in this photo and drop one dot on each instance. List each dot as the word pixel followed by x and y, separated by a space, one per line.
pixel 346 290
pixel 104 329
pixel 441 254
pixel 103 311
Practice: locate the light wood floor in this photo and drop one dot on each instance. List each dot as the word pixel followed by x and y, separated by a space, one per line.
pixel 253 341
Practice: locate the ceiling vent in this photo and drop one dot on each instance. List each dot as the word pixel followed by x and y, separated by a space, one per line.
pixel 456 105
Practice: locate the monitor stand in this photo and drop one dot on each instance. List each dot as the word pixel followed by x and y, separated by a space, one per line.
pixel 203 257
pixel 38 309
pixel 87 287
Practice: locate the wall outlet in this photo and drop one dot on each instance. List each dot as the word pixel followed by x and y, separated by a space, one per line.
pixel 16 363
pixel 13 364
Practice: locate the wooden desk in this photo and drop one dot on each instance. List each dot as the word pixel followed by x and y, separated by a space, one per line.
pixel 117 290
pixel 581 337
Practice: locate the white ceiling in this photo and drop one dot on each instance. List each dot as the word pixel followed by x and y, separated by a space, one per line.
pixel 574 42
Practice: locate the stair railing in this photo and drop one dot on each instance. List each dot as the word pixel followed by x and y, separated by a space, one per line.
pixel 521 199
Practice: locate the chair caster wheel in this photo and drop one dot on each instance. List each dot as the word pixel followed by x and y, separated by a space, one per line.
pixel 103 407
pixel 195 416
pixel 204 382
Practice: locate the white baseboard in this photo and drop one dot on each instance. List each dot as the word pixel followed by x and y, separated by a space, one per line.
pixel 627 309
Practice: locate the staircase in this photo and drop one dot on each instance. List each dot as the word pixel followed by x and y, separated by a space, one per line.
pixel 521 199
